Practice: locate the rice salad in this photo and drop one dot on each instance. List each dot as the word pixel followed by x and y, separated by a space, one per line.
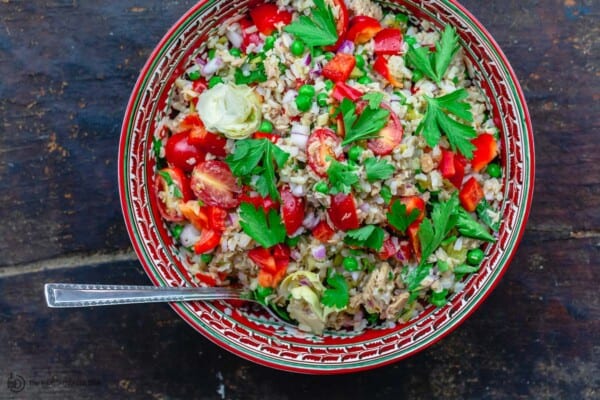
pixel 333 158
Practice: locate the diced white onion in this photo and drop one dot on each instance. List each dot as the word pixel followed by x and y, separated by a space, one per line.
pixel 235 38
pixel 189 235
pixel 299 140
pixel 212 66
pixel 300 129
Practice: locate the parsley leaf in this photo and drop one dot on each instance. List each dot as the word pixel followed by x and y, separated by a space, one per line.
pixel 337 295
pixel 266 229
pixel 167 177
pixel 257 75
pixel 434 65
pixel 471 228
pixel 370 236
pixel 483 212
pixel 320 30
pixel 341 177
pixel 399 218
pixel 247 156
pixel 378 169
pixel 413 277
pixel 365 126
pixel 432 232
pixel 374 99
pixel 437 120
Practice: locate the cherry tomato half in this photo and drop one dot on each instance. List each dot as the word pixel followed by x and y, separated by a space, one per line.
pixel 214 184
pixel 208 240
pixel 389 137
pixel 321 145
pixel 266 16
pixel 343 212
pixel 199 136
pixel 181 153
pixel 292 210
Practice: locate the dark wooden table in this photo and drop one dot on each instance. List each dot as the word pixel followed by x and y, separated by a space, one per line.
pixel 66 71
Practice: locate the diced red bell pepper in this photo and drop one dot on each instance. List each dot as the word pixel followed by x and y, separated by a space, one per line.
pixel 248 38
pixel 217 217
pixel 362 29
pixel 265 203
pixel 460 162
pixel 323 232
pixel 199 85
pixel 264 135
pixel 414 203
pixel 388 41
pixel 341 90
pixel 272 263
pixel 447 168
pixel 486 149
pixel 342 212
pixel 471 194
pixel 192 211
pixel 209 239
pixel 339 68
pixel 292 210
pixel 381 66
pixel 199 136
pixel 263 258
pixel 389 249
pixel 265 16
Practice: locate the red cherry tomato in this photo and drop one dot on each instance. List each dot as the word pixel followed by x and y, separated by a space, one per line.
pixel 292 210
pixel 263 258
pixel 414 203
pixel 388 41
pixel 389 249
pixel 389 137
pixel 343 212
pixel 486 149
pixel 209 239
pixel 460 162
pixel 339 68
pixel 199 136
pixel 341 90
pixel 217 218
pixel 214 184
pixel 321 145
pixel 181 153
pixel 248 37
pixel 168 185
pixel 362 29
pixel 341 23
pixel 323 232
pixel 266 16
pixel 272 263
pixel 197 215
pixel 266 203
pixel 471 194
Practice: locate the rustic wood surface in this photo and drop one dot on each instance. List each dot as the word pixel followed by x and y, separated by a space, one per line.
pixel 66 71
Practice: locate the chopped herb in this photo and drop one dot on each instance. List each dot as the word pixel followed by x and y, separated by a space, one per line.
pixel 434 65
pixel 442 266
pixel 378 169
pixel 399 218
pixel 370 236
pixel 438 120
pixel 465 269
pixel 167 177
pixel 471 228
pixel 433 231
pixel 483 212
pixel 336 295
pixel 341 177
pixel 413 277
pixel 386 194
pixel 374 99
pixel 320 30
pixel 247 156
pixel 261 293
pixel 257 75
pixel 365 126
pixel 266 230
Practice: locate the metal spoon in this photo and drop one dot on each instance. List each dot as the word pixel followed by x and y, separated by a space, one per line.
pixel 68 295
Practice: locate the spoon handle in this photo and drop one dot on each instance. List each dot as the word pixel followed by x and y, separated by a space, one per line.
pixel 85 295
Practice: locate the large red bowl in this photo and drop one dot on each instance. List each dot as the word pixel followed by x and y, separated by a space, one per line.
pixel 255 336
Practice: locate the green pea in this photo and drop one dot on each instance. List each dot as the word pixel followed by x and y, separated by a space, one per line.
pixel 329 55
pixel 214 81
pixel 265 126
pixel 321 187
pixel 303 102
pixel 494 170
pixel 328 84
pixel 211 53
pixel 410 40
pixel 206 258
pixel 262 292
pixel 417 75
pixel 194 75
pixel 350 264
pixel 317 52
pixel 297 48
pixel 355 152
pixel 475 257
pixel 234 51
pixel 269 43
pixel 176 231
pixel 360 61
pixel 322 99
pixel 307 90
pixel 402 18
pixel 364 80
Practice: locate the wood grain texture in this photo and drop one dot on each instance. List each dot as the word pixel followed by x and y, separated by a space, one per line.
pixel 67 68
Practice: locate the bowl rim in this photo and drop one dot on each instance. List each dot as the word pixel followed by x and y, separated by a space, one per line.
pixel 448 328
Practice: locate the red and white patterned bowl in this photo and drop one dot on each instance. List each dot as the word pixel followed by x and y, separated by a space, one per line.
pixel 257 337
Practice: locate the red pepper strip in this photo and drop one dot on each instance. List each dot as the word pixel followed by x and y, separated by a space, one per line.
pixel 486 149
pixel 447 168
pixel 470 195
pixel 341 90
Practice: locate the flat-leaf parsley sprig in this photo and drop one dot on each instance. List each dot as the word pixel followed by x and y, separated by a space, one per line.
pixel 434 65
pixel 320 30
pixel 267 229
pixel 367 125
